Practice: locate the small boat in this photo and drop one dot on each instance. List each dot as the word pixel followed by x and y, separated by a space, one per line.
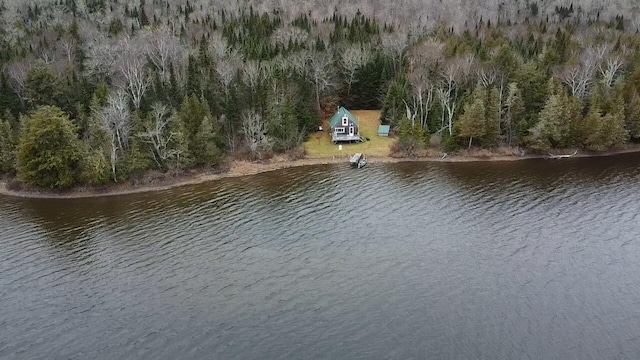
pixel 358 160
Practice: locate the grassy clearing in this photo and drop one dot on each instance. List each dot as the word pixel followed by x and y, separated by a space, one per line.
pixel 320 145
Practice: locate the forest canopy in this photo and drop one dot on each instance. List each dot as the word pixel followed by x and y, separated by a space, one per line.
pixel 172 85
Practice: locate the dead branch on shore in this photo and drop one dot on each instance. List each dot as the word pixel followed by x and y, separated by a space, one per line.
pixel 551 156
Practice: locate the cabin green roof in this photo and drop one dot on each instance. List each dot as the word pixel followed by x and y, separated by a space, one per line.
pixel 384 129
pixel 335 119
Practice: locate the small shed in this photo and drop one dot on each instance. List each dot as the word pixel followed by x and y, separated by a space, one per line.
pixel 383 130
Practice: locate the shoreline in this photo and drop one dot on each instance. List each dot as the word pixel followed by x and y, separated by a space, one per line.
pixel 239 168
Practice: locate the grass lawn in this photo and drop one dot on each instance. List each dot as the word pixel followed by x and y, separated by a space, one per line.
pixel 320 145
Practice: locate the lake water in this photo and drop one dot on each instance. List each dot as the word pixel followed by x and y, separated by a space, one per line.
pixel 522 260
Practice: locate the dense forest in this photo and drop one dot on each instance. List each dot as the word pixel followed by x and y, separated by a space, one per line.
pixel 100 91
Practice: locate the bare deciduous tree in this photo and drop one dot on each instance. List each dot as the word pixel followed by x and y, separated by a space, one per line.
pixel 286 34
pixel 253 72
pixel 227 69
pixel 159 137
pixel 17 73
pixel 163 49
pixel 579 75
pixel 427 54
pixel 69 50
pixel 394 45
pixel 255 133
pixel 352 59
pixel 424 59
pixel 102 57
pixel 454 75
pixel 296 62
pixel 422 92
pixel 488 76
pixel 218 45
pixel 635 24
pixel 610 69
pixel 320 74
pixel 132 67
pixel 117 122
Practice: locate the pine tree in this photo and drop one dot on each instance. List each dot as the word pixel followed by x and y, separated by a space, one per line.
pixel 41 86
pixel 533 84
pixel 492 118
pixel 192 113
pixel 135 162
pixel 617 134
pixel 411 136
pixel 205 147
pixel 393 107
pixel 514 112
pixel 632 118
pixel 50 154
pixel 472 122
pixel 174 88
pixel 282 122
pixel 179 143
pixel 144 20
pixel 594 129
pixel 96 138
pixel 7 148
pixel 549 129
pixel 573 116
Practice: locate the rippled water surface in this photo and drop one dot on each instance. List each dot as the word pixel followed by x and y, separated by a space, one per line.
pixel 537 259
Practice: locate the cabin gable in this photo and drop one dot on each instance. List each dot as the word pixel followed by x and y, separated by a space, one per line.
pixel 344 126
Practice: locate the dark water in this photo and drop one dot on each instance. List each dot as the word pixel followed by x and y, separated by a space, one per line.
pixel 527 260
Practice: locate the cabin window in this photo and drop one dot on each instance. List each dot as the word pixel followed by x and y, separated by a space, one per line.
pixel 345 121
pixel 351 130
pixel 339 130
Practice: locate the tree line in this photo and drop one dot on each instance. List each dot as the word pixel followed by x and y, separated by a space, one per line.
pixel 535 85
pixel 106 92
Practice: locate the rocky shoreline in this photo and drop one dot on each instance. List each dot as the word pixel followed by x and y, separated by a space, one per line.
pixel 245 168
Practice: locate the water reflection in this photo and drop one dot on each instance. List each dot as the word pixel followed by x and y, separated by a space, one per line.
pixel 408 260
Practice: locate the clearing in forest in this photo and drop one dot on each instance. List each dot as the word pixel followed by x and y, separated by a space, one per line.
pixel 320 145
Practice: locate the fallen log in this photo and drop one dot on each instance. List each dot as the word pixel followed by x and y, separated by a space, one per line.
pixel 551 156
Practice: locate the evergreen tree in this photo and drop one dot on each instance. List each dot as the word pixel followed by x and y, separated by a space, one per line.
pixel 135 161
pixel 9 101
pixel 594 129
pixel 96 138
pixel 514 112
pixel 533 84
pixel 7 148
pixel 144 20
pixel 473 121
pixel 179 144
pixel 411 136
pixel 281 123
pixel 550 127
pixel 50 154
pixel 617 134
pixel 174 89
pixel 115 27
pixel 41 86
pixel 605 131
pixel 394 106
pixel 492 118
pixel 205 147
pixel 573 117
pixel 557 125
pixel 192 114
pixel 632 118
